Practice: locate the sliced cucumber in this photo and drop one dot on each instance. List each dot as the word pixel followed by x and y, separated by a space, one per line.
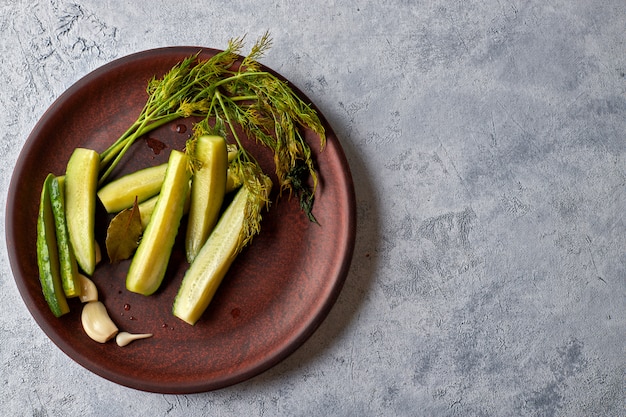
pixel 67 261
pixel 81 181
pixel 47 254
pixel 120 194
pixel 213 261
pixel 146 208
pixel 207 192
pixel 149 263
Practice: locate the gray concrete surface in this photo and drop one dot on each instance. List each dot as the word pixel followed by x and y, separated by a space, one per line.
pixel 487 144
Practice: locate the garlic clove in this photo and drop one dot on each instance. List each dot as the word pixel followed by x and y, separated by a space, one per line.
pixel 124 338
pixel 88 292
pixel 97 323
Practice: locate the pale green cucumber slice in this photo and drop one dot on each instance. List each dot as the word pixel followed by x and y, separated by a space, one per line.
pixel 147 269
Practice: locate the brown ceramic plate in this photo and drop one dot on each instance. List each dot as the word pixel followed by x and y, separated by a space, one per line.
pixel 275 295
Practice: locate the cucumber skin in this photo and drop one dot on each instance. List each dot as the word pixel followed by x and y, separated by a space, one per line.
pixel 47 255
pixel 67 261
pixel 147 269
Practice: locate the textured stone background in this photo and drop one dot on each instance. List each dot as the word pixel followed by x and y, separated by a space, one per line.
pixel 487 144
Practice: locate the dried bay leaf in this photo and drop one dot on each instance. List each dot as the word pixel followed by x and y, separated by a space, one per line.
pixel 123 234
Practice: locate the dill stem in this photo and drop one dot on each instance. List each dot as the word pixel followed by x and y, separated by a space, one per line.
pixel 227 114
pixel 127 140
pixel 239 75
pixel 112 150
pixel 234 77
pixel 243 98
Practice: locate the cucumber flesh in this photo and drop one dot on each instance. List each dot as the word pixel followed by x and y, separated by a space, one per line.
pixel 81 181
pixel 213 261
pixel 120 194
pixel 146 208
pixel 207 192
pixel 147 269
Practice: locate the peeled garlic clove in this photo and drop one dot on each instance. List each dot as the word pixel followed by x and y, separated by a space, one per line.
pixel 97 323
pixel 124 338
pixel 88 292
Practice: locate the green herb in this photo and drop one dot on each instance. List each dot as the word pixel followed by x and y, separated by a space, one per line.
pixel 229 90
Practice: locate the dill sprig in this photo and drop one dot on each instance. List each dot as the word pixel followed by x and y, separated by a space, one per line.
pixel 228 90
